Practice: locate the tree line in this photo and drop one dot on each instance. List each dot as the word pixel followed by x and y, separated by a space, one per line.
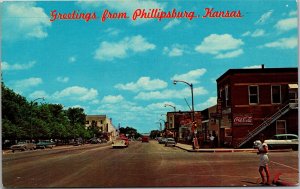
pixel 28 120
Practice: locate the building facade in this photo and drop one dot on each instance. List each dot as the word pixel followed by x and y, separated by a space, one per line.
pixel 180 125
pixel 254 101
pixel 104 124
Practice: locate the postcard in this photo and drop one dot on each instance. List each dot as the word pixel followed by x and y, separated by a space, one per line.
pixel 149 93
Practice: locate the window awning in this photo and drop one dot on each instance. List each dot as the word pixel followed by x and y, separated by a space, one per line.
pixel 293 86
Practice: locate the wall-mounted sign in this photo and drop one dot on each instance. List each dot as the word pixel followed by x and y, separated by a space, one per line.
pixel 242 119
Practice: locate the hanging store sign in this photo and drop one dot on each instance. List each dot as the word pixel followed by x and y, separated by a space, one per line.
pixel 242 119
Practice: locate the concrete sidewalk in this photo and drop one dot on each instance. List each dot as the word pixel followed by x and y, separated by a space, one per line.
pixel 189 148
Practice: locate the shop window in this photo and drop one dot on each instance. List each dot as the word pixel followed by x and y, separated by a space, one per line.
pixel 253 95
pixel 276 94
pixel 280 127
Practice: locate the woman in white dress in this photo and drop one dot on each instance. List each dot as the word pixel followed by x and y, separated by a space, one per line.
pixel 263 160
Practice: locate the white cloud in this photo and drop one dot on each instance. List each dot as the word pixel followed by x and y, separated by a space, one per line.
pixel 293 13
pixel 143 83
pixel 264 17
pixel 175 50
pixel 283 43
pixel 76 93
pixel 62 79
pixel 7 66
pixel 247 33
pixel 191 76
pixel 110 99
pixel 219 44
pixel 171 24
pixel 167 94
pixel 250 67
pixel 23 20
pixel 230 54
pixel 111 50
pixel 21 85
pixel 287 24
pixel 112 31
pixel 39 94
pixel 211 101
pixel 72 59
pixel 256 33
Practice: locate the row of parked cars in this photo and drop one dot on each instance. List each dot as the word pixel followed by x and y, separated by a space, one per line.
pixel 27 145
pixel 166 141
pixel 42 144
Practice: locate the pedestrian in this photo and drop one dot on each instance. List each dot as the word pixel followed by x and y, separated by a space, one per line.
pixel 263 160
pixel 211 139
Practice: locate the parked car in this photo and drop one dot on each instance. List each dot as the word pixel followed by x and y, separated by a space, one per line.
pixel 95 141
pixel 120 142
pixel 23 145
pixel 162 140
pixel 145 139
pixel 42 144
pixel 281 141
pixel 170 142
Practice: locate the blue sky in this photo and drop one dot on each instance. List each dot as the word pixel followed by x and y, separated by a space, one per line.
pixel 124 68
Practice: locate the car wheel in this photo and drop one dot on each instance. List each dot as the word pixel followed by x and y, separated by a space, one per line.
pixel 13 151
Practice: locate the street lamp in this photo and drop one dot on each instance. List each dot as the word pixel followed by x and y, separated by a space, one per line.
pixel 195 141
pixel 31 104
pixel 192 91
pixel 171 106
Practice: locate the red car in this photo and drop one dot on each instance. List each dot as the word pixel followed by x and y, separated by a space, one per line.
pixel 145 139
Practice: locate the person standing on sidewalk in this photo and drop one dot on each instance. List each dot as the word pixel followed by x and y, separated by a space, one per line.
pixel 212 141
pixel 263 160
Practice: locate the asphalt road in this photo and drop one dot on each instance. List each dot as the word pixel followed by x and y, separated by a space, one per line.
pixel 140 165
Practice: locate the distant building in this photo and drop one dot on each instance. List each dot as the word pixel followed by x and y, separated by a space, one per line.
pixel 210 123
pixel 254 101
pixel 103 123
pixel 180 125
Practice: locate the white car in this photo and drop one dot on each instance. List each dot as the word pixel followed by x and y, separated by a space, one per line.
pixel 281 141
pixel 120 142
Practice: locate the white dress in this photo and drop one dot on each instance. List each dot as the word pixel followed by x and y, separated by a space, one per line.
pixel 263 157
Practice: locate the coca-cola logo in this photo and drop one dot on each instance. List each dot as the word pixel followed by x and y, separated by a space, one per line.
pixel 243 119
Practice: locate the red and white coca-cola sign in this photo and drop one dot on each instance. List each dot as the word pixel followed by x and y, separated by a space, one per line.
pixel 243 119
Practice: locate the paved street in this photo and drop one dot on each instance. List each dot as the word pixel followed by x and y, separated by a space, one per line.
pixel 139 165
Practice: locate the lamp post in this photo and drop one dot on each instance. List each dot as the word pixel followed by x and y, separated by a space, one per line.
pixel 31 105
pixel 195 141
pixel 171 106
pixel 192 92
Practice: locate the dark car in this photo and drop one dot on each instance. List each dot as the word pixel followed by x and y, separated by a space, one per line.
pixel 170 142
pixel 42 144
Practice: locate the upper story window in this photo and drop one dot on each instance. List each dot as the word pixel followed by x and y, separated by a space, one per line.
pixel 226 96
pixel 253 95
pixel 276 94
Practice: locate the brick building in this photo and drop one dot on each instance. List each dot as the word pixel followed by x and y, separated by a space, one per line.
pixel 179 125
pixel 253 101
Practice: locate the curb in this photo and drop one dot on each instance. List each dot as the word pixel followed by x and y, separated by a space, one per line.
pixel 216 150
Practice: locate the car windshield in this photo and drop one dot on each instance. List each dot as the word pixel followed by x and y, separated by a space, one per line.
pixel 170 139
